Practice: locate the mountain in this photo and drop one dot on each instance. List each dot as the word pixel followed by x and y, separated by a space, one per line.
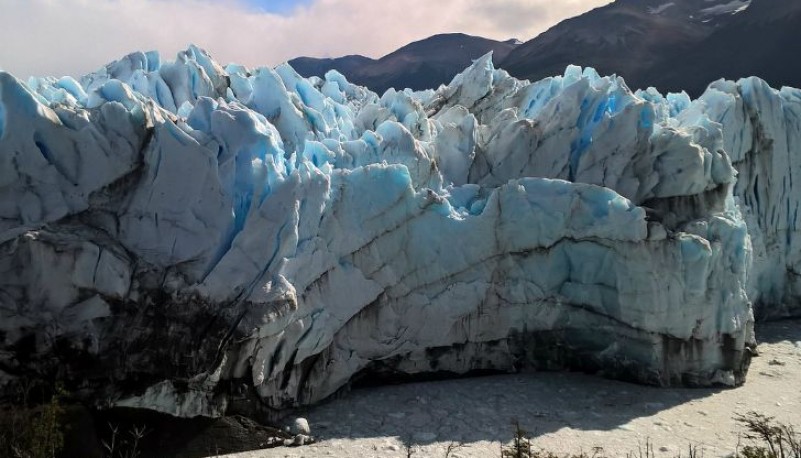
pixel 673 45
pixel 424 64
pixel 764 40
pixel 347 65
pixel 623 37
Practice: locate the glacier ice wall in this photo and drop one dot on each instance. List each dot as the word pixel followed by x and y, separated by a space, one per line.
pixel 188 237
pixel 761 129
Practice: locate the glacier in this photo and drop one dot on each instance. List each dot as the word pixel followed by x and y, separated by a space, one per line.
pixel 200 240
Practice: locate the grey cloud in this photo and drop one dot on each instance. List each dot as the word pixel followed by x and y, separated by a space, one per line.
pixel 513 15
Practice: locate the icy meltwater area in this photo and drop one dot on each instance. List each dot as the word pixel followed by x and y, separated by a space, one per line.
pixel 189 238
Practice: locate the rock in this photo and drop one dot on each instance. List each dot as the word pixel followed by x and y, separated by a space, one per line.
pixel 301 426
pixel 301 439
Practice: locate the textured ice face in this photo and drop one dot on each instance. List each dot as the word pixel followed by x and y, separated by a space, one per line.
pixel 192 230
pixel 759 128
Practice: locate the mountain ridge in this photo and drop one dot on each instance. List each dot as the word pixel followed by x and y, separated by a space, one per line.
pixel 422 64
pixel 671 45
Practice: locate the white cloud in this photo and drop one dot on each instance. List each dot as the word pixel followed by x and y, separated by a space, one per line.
pixel 77 36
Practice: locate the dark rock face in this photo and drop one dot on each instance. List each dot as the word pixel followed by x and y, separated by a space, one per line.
pixel 624 37
pixel 760 41
pixel 674 46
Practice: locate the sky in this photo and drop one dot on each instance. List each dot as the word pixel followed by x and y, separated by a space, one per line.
pixel 74 37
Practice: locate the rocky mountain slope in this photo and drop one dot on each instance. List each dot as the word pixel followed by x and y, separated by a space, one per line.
pixel 761 40
pixel 424 64
pixel 195 239
pixel 673 45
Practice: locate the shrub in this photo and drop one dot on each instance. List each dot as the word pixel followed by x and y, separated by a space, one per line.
pixel 521 444
pixel 119 446
pixel 28 431
pixel 772 439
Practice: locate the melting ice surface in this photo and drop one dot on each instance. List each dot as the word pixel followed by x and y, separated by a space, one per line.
pixel 203 234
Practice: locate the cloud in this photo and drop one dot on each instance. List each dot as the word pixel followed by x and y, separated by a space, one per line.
pixel 56 37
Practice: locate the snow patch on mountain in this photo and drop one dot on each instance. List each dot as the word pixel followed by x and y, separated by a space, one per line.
pixel 732 7
pixel 661 8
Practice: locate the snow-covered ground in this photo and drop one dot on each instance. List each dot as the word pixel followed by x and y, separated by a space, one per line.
pixel 564 412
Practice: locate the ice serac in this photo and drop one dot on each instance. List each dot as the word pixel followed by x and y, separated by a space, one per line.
pixel 196 239
pixel 760 129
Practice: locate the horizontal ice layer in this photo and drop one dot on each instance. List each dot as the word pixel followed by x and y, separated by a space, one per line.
pixel 192 229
